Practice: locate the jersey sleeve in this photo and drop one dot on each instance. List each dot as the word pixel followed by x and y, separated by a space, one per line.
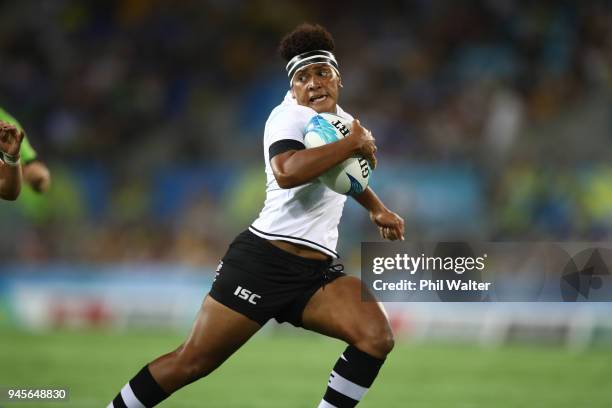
pixel 285 130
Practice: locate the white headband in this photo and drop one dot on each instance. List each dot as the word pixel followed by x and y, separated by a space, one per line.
pixel 308 58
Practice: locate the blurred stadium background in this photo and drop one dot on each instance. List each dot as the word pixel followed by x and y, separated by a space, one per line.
pixel 493 121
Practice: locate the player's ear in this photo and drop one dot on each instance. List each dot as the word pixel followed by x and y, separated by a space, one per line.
pixel 292 92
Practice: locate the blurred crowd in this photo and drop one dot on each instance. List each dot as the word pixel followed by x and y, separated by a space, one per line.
pixel 151 115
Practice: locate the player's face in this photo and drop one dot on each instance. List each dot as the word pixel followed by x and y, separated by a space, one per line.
pixel 317 86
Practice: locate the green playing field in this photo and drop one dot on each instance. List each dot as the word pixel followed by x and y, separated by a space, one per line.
pixel 291 371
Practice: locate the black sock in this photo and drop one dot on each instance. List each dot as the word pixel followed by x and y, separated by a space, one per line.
pixel 351 377
pixel 141 391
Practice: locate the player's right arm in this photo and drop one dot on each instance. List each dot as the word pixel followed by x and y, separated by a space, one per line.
pixel 10 168
pixel 296 167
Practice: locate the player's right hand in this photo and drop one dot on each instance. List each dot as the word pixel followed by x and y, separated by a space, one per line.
pixel 10 139
pixel 364 142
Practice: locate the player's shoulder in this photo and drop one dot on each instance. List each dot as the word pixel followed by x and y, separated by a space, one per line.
pixel 287 114
pixel 289 117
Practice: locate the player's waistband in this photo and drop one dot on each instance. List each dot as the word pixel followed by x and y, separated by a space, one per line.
pixel 296 240
pixel 250 237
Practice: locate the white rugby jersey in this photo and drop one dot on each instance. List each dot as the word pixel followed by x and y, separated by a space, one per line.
pixel 309 214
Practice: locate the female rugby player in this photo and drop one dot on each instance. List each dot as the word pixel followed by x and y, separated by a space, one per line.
pixel 281 267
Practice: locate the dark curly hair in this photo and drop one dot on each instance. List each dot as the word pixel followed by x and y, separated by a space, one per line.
pixel 306 37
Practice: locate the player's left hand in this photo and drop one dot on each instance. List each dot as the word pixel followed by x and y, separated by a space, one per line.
pixel 390 225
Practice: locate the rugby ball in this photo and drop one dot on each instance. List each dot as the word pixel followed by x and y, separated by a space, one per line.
pixel 350 177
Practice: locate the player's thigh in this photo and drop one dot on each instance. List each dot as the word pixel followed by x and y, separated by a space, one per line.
pixel 217 333
pixel 219 330
pixel 337 310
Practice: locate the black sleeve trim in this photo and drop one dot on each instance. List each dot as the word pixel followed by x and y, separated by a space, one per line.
pixel 283 146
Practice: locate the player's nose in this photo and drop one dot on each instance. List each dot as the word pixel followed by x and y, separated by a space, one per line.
pixel 314 82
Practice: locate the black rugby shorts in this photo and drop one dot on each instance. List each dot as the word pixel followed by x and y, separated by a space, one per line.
pixel 261 281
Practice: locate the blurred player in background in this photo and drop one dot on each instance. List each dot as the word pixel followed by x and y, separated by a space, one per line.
pixel 281 267
pixel 35 172
pixel 11 140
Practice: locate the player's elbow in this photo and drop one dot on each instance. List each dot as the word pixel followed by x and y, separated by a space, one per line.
pixel 284 175
pixel 285 170
pixel 285 180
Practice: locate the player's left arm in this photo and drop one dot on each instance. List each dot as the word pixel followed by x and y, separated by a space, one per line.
pixel 390 225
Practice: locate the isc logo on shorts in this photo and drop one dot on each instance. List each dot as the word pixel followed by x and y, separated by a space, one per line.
pixel 246 295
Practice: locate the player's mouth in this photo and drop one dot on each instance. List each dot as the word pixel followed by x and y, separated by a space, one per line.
pixel 318 99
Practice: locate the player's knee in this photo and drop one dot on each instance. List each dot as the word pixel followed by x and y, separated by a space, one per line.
pixel 384 343
pixel 377 342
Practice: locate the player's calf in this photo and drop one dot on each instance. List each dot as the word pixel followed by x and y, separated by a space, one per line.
pixel 175 370
pixel 350 379
pixel 140 392
pixel 357 368
pixel 186 365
